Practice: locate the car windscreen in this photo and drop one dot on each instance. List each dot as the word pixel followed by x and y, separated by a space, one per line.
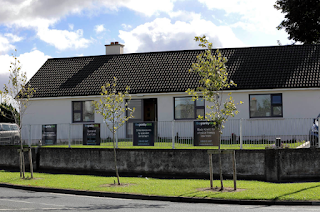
pixel 6 127
pixel 14 127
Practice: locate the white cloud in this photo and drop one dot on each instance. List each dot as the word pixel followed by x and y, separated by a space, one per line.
pixel 13 11
pixel 5 45
pixel 99 28
pixel 161 35
pixel 63 39
pixel 6 42
pixel 184 15
pixel 71 26
pixel 41 15
pixel 60 39
pixel 30 63
pixel 246 26
pixel 148 7
pixel 5 64
pixel 126 27
pixel 13 38
pixel 254 16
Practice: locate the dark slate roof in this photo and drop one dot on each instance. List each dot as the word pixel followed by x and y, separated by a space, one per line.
pixel 294 66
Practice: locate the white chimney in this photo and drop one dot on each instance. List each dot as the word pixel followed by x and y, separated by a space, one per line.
pixel 114 48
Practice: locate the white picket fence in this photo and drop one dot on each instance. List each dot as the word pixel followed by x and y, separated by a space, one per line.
pixel 238 133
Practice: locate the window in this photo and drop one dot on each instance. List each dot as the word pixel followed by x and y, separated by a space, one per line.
pixel 265 105
pixel 82 111
pixel 185 108
pixel 137 104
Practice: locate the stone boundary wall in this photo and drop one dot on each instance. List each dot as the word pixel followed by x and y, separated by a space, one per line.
pixel 9 158
pixel 280 165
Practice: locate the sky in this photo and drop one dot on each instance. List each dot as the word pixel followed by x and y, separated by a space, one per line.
pixel 42 29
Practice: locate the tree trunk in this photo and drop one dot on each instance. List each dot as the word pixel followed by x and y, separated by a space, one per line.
pixel 30 161
pixel 115 157
pixel 20 155
pixel 220 165
pixel 211 171
pixel 20 161
pixel 220 168
pixel 22 166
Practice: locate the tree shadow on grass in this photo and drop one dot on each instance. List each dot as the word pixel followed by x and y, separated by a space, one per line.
pixel 295 192
pixel 27 178
pixel 213 192
pixel 189 194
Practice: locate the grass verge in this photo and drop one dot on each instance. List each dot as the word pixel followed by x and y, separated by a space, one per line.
pixel 250 190
pixel 128 145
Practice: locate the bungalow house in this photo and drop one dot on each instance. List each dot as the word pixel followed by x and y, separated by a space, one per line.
pixel 276 83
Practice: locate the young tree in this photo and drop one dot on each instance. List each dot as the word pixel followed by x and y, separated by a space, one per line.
pixel 112 106
pixel 302 20
pixel 214 79
pixel 19 92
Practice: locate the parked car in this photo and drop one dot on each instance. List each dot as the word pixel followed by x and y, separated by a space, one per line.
pixel 9 133
pixel 314 132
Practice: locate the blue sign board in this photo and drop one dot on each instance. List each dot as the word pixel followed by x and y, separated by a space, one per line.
pixel 143 134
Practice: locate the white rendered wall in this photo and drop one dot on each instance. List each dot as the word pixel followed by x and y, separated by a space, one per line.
pixel 297 104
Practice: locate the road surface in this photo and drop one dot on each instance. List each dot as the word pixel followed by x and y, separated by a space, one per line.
pixel 21 200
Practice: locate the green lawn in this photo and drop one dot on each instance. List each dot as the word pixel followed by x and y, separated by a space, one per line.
pixel 249 190
pixel 128 145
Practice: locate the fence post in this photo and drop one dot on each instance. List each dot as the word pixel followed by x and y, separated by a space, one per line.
pixel 241 141
pixel 30 135
pixel 172 129
pixel 69 136
pixel 318 134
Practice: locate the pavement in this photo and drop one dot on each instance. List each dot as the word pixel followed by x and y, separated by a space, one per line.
pixel 161 198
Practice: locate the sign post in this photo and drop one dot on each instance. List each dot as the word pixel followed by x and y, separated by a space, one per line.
pixel 143 134
pixel 91 134
pixel 234 167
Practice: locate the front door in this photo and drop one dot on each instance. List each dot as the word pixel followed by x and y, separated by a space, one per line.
pixel 150 110
pixel 145 110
